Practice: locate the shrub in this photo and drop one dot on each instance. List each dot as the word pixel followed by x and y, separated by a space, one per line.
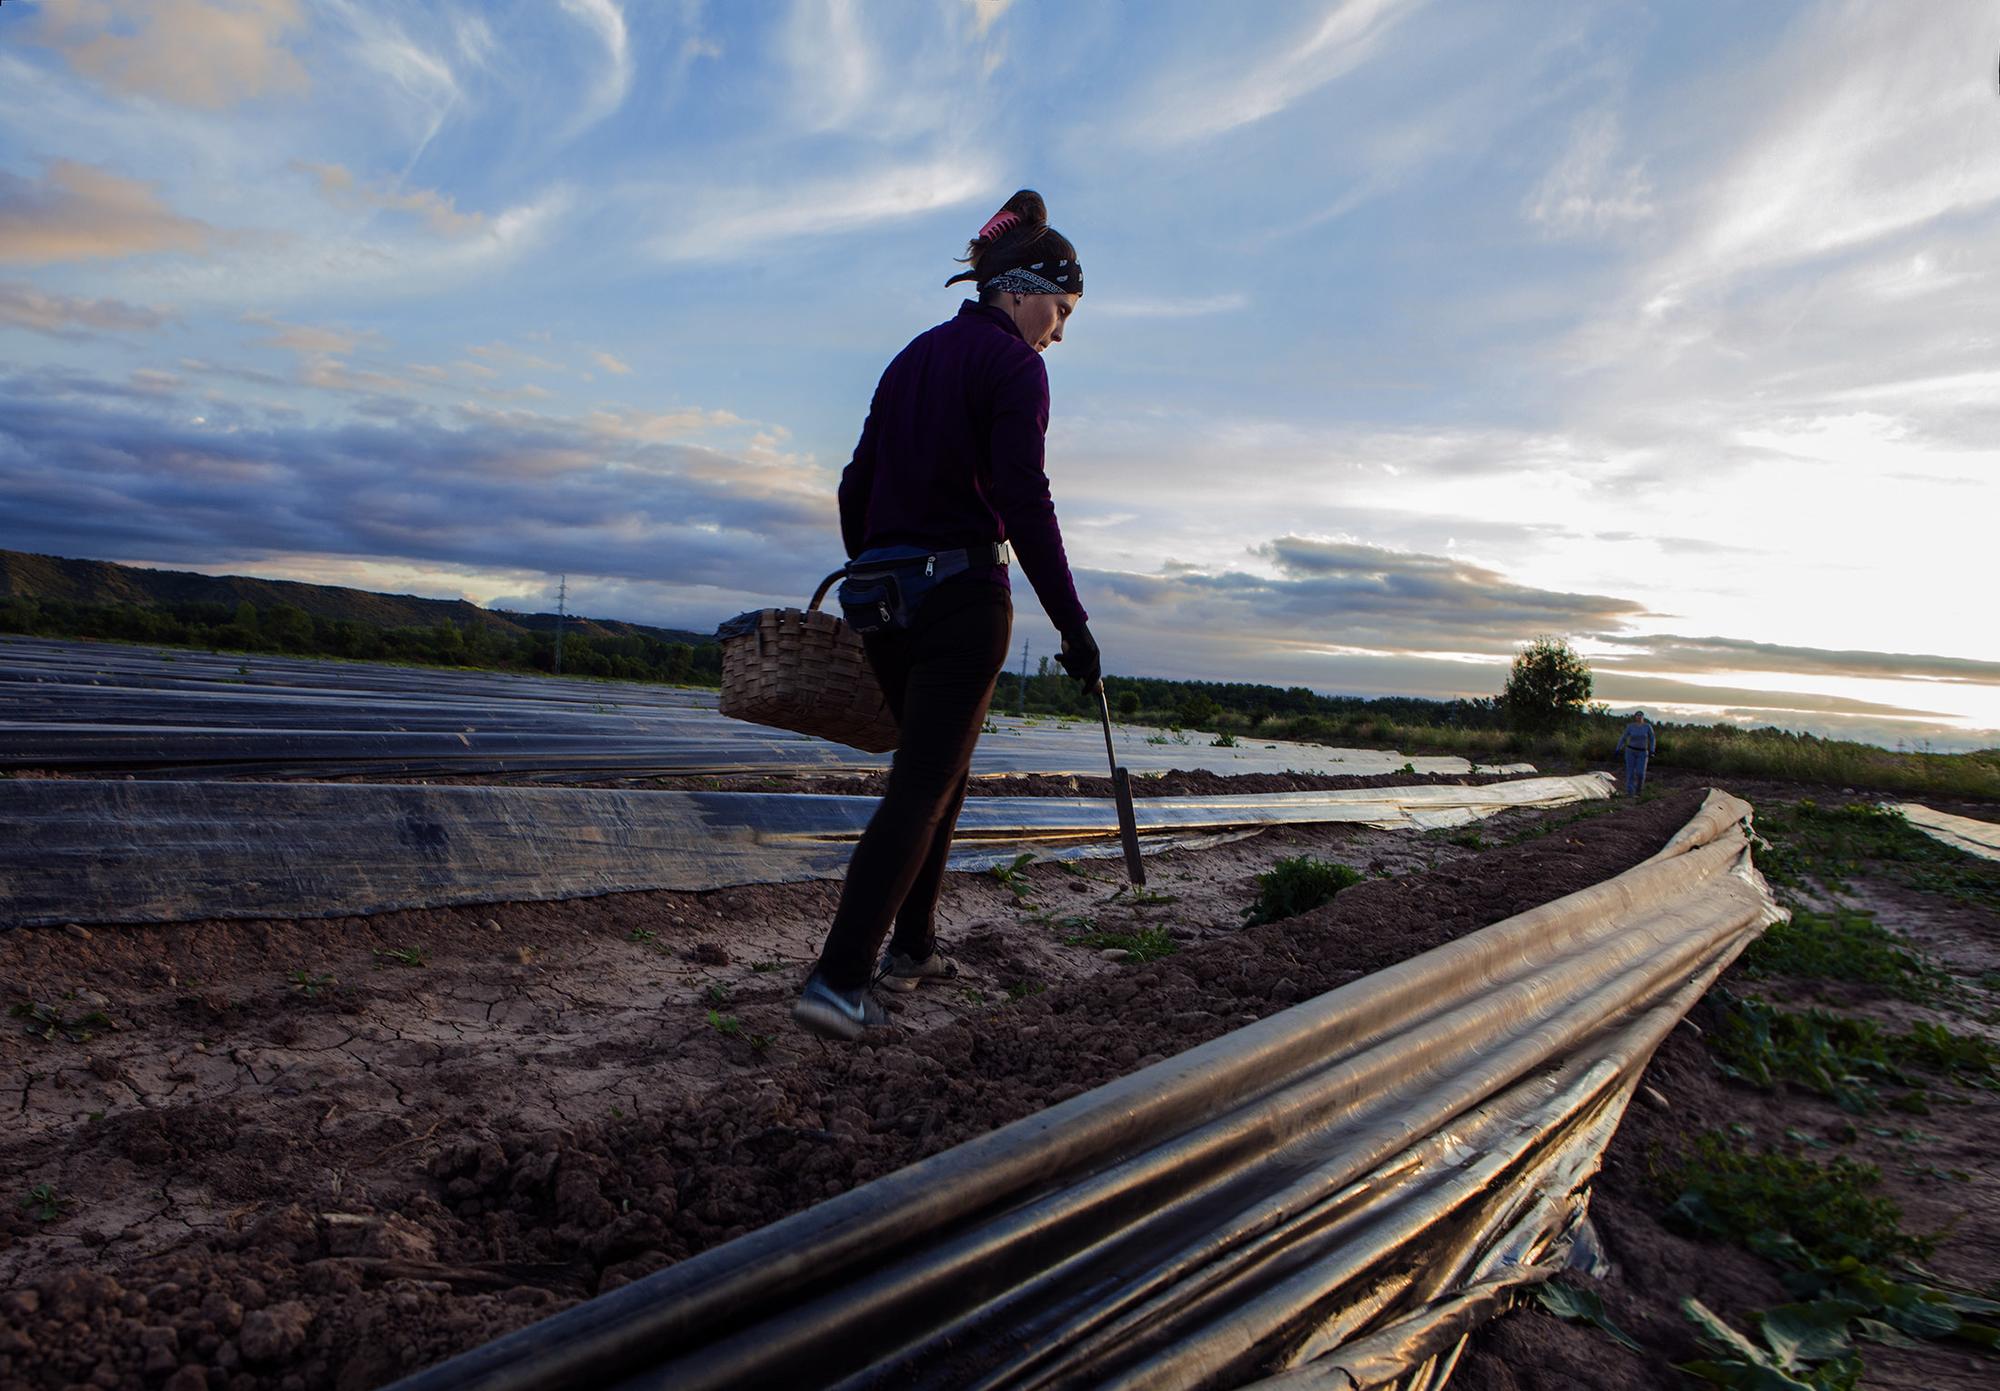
pixel 1297 885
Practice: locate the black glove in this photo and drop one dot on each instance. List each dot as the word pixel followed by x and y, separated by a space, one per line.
pixel 1080 659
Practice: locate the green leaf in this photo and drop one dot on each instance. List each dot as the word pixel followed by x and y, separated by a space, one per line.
pixel 1922 1319
pixel 1815 1332
pixel 1719 1335
pixel 1581 1306
pixel 1877 1331
pixel 1743 1376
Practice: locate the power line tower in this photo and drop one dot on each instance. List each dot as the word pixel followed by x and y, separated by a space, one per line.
pixel 562 613
pixel 1021 704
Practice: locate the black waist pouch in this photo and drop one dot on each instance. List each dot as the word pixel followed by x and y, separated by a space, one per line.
pixel 886 586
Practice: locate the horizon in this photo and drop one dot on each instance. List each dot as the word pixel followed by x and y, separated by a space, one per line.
pixel 1596 704
pixel 1415 329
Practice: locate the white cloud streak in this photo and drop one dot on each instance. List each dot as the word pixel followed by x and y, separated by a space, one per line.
pixel 1209 100
pixel 1584 194
pixel 729 224
pixel 606 22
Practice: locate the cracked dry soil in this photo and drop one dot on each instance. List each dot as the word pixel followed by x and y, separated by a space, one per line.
pixel 326 1154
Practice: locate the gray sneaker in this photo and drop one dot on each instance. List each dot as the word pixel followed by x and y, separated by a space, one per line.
pixel 899 972
pixel 833 1013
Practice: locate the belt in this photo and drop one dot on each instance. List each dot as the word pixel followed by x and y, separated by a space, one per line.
pixel 951 562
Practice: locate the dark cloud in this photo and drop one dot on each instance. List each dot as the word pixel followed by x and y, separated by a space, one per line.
pixel 1692 654
pixel 97 468
pixel 1411 602
pixel 1622 689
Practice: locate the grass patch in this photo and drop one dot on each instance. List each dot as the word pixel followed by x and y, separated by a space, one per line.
pixel 1828 1211
pixel 1846 944
pixel 1841 1059
pixel 1147 944
pixel 400 956
pixel 1297 885
pixel 1834 844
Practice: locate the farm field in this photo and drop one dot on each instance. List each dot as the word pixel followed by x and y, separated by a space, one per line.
pixel 326 1153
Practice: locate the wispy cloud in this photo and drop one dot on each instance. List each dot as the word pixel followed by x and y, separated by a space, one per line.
pixel 79 212
pixel 611 364
pixel 313 339
pixel 606 22
pixel 1674 652
pixel 438 210
pixel 1211 98
pixel 657 426
pixel 423 85
pixel 197 53
pixel 729 224
pixel 986 13
pixel 831 60
pixel 1180 307
pixel 1587 191
pixel 67 316
pixel 1874 144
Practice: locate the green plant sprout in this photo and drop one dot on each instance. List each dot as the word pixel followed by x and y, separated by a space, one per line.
pixel 50 1024
pixel 311 986
pixel 44 1204
pixel 1010 878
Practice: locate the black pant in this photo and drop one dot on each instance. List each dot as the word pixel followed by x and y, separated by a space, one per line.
pixel 938 678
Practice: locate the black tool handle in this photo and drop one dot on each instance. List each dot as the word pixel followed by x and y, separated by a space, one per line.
pixel 1121 790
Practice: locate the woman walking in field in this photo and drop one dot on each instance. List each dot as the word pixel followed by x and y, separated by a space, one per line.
pixel 947 476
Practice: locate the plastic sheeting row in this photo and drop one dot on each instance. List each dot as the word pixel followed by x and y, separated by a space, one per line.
pixel 76 706
pixel 1329 1198
pixel 111 851
pixel 1981 838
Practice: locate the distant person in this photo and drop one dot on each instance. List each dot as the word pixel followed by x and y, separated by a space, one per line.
pixel 1637 744
pixel 948 474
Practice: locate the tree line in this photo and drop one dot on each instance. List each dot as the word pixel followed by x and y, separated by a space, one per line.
pixel 291 630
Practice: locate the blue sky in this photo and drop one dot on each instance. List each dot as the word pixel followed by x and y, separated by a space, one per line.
pixel 1413 328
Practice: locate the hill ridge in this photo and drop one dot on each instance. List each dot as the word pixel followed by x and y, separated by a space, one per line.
pixel 27 575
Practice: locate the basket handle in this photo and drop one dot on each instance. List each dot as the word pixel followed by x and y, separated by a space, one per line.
pixel 824 585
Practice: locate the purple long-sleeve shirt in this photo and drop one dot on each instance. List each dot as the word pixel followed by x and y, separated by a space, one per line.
pixel 951 455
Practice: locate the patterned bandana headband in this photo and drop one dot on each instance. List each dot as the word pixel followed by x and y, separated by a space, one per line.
pixel 1038 278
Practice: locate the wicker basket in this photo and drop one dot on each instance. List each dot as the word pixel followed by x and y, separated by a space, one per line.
pixel 804 670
